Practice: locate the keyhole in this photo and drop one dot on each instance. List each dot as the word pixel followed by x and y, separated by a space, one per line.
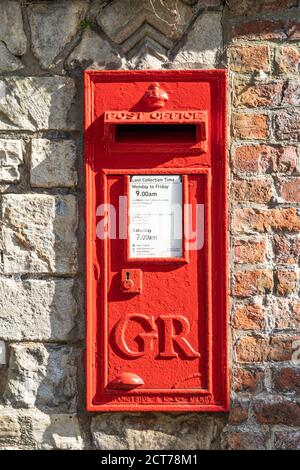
pixel 127 276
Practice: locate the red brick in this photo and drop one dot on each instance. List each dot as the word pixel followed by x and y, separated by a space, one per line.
pixel 291 93
pixel 285 313
pixel 286 160
pixel 288 59
pixel 287 380
pixel 289 440
pixel 248 380
pixel 293 30
pixel 280 348
pixel 238 412
pixel 249 251
pixel 296 310
pixel 248 283
pixel 259 94
pixel 290 189
pixel 250 7
pixel 285 282
pixel 246 159
pixel 242 440
pixel 252 349
pixel 252 190
pixel 250 126
pixel 265 158
pixel 249 317
pixel 266 30
pixel 258 30
pixel 263 220
pixel 249 58
pixel 282 412
pixel 277 348
pixel 287 125
pixel 286 249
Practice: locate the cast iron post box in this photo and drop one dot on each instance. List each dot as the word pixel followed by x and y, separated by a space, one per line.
pixel 156 241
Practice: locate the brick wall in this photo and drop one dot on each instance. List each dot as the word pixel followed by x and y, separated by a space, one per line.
pixel 44 46
pixel 263 61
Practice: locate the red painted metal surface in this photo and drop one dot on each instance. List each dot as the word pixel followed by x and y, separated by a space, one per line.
pixel 156 327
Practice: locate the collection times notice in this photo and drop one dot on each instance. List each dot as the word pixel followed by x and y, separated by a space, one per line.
pixel 155 207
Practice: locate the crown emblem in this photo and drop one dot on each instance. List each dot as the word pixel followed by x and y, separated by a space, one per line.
pixel 155 97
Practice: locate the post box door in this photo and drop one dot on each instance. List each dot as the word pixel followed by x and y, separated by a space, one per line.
pixel 156 241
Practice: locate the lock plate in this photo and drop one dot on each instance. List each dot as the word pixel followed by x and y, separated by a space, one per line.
pixel 131 281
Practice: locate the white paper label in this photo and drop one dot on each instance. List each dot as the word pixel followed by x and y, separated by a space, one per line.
pixel 155 229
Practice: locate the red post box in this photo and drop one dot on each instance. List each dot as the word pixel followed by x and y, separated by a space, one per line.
pixel 156 240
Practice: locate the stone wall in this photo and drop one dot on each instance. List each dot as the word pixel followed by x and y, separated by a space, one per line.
pixel 44 46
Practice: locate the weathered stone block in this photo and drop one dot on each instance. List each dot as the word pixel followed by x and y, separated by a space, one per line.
pixel 53 25
pixel 53 163
pixel 10 158
pixel 37 310
pixel 36 103
pixel 155 431
pixel 11 32
pixel 203 42
pixel 149 59
pixel 8 62
pixel 43 376
pixel 39 233
pixel 56 431
pixel 93 52
pixel 10 432
pixel 122 18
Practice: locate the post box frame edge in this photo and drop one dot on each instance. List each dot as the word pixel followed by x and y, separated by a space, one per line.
pixel 90 78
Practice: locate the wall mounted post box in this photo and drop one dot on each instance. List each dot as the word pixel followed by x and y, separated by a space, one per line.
pixel 156 240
